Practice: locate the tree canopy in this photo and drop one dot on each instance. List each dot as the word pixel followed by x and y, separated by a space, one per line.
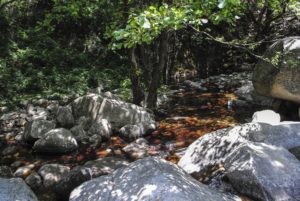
pixel 65 47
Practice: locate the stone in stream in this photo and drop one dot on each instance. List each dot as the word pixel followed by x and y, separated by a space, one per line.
pixel 266 116
pixel 52 174
pixel 280 79
pixel 195 85
pixel 137 150
pixel 36 129
pixel 147 179
pixel 264 172
pixel 56 141
pixel 14 190
pixel 89 170
pixel 34 180
pixel 102 128
pixel 137 130
pixel 64 117
pixel 118 113
pixel 79 134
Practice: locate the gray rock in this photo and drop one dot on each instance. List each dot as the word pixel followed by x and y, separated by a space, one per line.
pixel 102 128
pixel 266 116
pixel 213 148
pixel 136 151
pixel 52 174
pixel 116 112
pixel 56 141
pixel 147 179
pixel 280 79
pixel 69 182
pixel 65 117
pixel 195 85
pixel 247 93
pixel 79 134
pixel 137 130
pixel 5 172
pixel 36 129
pixel 34 180
pixel 284 134
pixel 15 189
pixel 264 172
pixel 95 141
pixel 89 170
pixel 85 122
pixel 103 166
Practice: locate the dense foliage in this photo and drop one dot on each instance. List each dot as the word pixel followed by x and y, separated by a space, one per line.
pixel 54 47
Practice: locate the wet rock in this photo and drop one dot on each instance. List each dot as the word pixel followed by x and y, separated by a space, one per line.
pixel 5 172
pixel 15 189
pixel 146 179
pixel 64 117
pixel 266 116
pixel 36 129
pixel 103 166
pixel 102 128
pixel 264 172
pixel 69 182
pixel 52 174
pixel 116 112
pixel 89 170
pixel 56 141
pixel 137 130
pixel 34 180
pixel 136 151
pixel 24 171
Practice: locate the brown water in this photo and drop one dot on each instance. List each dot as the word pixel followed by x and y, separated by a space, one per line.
pixel 187 116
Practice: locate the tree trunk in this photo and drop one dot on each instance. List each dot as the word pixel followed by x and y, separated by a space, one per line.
pixel 156 73
pixel 137 91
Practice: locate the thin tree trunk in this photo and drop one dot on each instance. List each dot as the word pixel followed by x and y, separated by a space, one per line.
pixel 156 73
pixel 137 91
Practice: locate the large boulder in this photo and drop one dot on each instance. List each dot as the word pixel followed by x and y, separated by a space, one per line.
pixel 213 148
pixel 264 172
pixel 36 129
pixel 15 189
pixel 118 113
pixel 147 179
pixel 58 140
pixel 280 76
